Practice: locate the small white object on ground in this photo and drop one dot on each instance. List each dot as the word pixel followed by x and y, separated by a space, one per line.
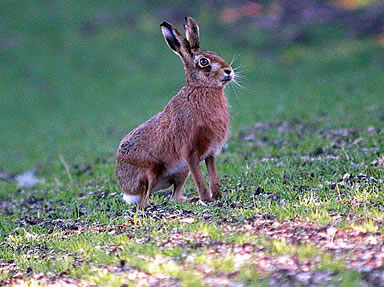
pixel 27 179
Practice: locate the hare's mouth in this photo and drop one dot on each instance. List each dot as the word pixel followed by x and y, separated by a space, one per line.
pixel 227 79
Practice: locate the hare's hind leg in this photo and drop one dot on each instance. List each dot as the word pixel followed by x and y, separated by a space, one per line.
pixel 152 180
pixel 178 185
pixel 131 181
pixel 144 200
pixel 214 185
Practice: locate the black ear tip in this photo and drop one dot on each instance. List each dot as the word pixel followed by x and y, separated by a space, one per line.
pixel 165 24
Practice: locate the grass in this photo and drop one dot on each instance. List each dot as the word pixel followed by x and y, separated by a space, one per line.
pixel 68 90
pixel 302 175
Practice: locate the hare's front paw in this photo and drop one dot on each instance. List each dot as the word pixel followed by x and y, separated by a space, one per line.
pixel 215 191
pixel 205 196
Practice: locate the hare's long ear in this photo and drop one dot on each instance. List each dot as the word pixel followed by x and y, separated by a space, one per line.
pixel 176 42
pixel 192 33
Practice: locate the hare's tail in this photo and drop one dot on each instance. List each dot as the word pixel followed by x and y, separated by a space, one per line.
pixel 131 198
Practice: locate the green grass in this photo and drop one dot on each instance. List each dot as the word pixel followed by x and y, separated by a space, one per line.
pixel 68 95
pixel 68 91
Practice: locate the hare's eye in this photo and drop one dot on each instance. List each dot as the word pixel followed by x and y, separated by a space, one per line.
pixel 204 62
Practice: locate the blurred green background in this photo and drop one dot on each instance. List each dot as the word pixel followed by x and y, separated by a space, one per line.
pixel 76 76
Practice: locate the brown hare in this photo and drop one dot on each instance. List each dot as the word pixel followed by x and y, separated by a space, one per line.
pixel 192 127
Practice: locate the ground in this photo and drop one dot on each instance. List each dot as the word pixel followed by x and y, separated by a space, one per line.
pixel 301 205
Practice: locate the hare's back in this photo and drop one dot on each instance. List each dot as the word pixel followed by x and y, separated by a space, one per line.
pixel 140 139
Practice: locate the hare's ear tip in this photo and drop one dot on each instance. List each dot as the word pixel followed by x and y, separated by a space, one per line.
pixel 165 24
pixel 189 19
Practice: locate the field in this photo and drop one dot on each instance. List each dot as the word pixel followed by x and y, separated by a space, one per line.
pixel 302 175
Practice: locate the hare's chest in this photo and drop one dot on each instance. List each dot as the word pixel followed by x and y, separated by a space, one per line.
pixel 211 139
pixel 210 126
pixel 213 150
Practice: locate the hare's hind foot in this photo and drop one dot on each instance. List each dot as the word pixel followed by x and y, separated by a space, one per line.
pixel 144 203
pixel 180 198
pixel 208 199
pixel 178 186
pixel 203 201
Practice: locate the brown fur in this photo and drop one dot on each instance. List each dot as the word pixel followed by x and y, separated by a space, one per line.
pixel 191 128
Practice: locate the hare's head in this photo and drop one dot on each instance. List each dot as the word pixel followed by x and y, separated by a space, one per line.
pixel 202 68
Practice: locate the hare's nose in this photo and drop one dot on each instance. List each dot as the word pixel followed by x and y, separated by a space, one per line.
pixel 227 71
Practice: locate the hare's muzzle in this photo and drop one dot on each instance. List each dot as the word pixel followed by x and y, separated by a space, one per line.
pixel 228 75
